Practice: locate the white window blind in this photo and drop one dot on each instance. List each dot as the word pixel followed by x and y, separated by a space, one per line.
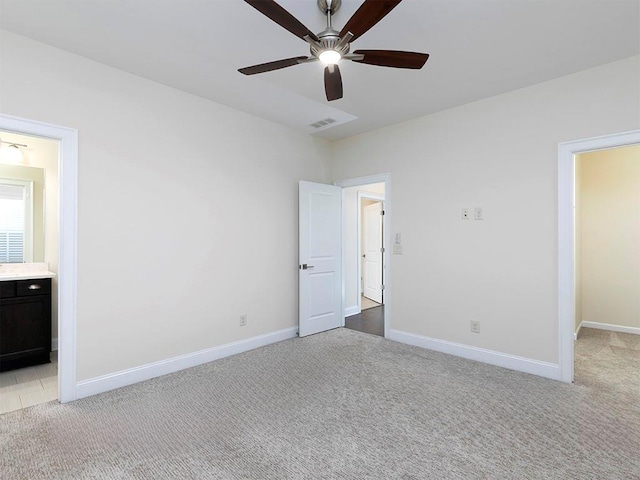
pixel 12 223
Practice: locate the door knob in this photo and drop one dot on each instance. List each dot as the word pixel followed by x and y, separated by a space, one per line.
pixel 304 266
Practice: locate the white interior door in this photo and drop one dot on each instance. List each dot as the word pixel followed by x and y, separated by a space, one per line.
pixel 372 271
pixel 320 250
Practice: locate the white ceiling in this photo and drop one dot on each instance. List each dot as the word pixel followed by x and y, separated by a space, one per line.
pixel 478 48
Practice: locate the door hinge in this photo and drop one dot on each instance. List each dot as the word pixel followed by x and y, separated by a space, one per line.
pixel 381 212
pixel 382 287
pixel 382 250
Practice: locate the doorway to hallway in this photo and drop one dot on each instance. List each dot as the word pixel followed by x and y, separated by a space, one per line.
pixel 364 254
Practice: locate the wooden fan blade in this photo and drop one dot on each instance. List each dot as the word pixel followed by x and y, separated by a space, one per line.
pixel 332 82
pixel 269 66
pixel 393 58
pixel 369 13
pixel 283 18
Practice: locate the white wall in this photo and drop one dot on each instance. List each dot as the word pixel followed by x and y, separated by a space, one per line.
pixel 610 236
pixel 187 209
pixel 500 154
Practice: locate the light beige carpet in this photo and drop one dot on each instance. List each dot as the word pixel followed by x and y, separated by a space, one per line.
pixel 337 405
pixel 609 362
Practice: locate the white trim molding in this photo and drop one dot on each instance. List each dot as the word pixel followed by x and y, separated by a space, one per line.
pixel 566 245
pixel 124 378
pixel 610 327
pixel 352 311
pixel 67 241
pixel 577 332
pixel 512 362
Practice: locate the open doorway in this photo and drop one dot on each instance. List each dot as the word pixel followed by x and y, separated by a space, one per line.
pixel 567 291
pixel 66 298
pixel 364 254
pixel 607 269
pixel 29 199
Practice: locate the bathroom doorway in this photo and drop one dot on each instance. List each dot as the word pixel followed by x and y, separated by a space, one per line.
pixel 67 242
pixel 29 206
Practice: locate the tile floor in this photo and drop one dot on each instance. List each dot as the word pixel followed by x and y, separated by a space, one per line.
pixel 29 386
pixel 367 303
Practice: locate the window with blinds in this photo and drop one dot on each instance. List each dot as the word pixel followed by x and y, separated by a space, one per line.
pixel 14 204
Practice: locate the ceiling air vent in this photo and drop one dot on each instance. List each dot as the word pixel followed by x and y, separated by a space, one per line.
pixel 323 123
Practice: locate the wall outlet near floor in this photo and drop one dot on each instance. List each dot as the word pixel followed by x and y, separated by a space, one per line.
pixel 243 320
pixel 475 326
pixel 477 213
pixel 465 214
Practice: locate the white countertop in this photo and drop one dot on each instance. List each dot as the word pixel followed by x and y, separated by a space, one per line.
pixel 23 271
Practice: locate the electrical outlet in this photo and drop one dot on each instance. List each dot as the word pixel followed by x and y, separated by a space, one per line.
pixel 243 320
pixel 477 213
pixel 465 214
pixel 475 326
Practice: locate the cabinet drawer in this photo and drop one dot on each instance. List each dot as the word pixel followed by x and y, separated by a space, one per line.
pixel 40 286
pixel 7 289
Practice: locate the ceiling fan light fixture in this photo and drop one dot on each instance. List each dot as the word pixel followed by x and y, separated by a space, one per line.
pixel 329 57
pixel 330 46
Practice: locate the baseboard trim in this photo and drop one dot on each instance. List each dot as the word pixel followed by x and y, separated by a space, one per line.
pixel 512 362
pixel 577 332
pixel 123 378
pixel 351 311
pixel 613 328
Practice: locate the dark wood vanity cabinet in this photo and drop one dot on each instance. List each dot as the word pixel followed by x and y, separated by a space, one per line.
pixel 25 323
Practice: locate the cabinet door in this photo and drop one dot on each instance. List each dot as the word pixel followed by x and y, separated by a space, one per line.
pixel 24 326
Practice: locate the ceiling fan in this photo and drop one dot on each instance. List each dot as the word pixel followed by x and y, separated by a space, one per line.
pixel 330 46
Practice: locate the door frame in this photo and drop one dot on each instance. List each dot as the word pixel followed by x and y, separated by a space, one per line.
pixel 380 198
pixel 67 243
pixel 361 181
pixel 566 238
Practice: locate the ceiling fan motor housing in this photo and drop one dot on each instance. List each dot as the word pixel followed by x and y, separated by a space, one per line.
pixel 329 42
pixel 331 6
pixel 329 39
